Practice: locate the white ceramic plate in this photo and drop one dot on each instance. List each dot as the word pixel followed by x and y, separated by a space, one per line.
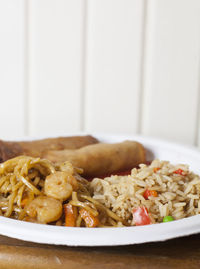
pixel 115 236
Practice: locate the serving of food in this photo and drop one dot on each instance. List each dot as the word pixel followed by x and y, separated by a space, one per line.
pixel 41 191
pixel 82 182
pixel 159 192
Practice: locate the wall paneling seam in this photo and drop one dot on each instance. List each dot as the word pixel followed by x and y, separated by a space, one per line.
pixel 197 129
pixel 83 64
pixel 26 68
pixel 142 65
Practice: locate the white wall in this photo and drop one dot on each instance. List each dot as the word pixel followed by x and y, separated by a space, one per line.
pixel 115 66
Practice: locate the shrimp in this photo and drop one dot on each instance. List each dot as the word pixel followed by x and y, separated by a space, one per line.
pixel 60 185
pixel 45 209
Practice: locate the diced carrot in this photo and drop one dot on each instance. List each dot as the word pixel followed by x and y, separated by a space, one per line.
pixel 148 193
pixel 156 169
pixel 24 202
pixel 71 215
pixel 90 220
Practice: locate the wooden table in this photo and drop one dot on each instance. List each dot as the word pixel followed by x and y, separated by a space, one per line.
pixel 177 253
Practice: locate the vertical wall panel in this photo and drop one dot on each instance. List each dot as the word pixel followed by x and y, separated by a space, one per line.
pixel 12 68
pixel 113 66
pixel 172 69
pixel 55 75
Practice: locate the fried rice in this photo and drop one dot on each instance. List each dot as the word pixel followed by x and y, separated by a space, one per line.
pixel 177 191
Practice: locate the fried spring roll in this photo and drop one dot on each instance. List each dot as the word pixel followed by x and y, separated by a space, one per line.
pixel 36 148
pixel 102 159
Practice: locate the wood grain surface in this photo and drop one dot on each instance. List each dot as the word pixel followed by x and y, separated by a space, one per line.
pixel 177 253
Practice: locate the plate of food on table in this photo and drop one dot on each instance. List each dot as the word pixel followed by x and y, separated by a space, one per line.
pixel 98 190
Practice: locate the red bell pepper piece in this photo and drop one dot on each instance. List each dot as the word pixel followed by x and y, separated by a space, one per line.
pixel 141 216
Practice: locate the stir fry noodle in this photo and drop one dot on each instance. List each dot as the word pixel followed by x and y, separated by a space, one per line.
pixel 36 190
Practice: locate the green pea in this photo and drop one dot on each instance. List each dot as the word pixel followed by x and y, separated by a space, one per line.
pixel 168 218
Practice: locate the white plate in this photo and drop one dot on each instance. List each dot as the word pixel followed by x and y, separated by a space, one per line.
pixel 115 236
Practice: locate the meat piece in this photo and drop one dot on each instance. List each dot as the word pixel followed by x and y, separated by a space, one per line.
pixel 36 148
pixel 101 159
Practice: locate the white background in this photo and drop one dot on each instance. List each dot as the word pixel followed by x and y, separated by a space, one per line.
pixel 108 66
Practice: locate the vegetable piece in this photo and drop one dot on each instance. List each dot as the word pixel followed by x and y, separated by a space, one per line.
pixel 180 172
pixel 148 193
pixel 168 218
pixel 71 215
pixel 141 216
pixel 90 220
pixel 24 202
pixel 156 169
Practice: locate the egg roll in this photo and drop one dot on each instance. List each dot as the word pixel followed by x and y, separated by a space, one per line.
pixel 102 158
pixel 36 148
